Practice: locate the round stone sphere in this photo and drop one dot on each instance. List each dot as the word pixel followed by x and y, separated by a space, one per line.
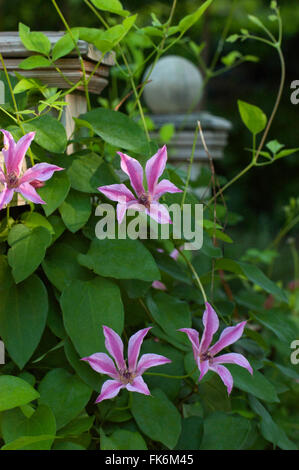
pixel 176 86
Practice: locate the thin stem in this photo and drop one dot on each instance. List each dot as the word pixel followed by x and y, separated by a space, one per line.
pixel 172 376
pixel 191 267
pixel 78 52
pixel 190 167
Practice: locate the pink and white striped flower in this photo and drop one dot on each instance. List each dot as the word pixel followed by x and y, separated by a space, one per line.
pixel 145 200
pixel 123 375
pixel 204 353
pixel 12 179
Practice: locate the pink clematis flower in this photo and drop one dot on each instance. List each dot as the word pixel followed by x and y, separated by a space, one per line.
pixel 145 200
pixel 129 377
pixel 12 179
pixel 204 353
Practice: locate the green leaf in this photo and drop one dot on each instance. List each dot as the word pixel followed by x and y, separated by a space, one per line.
pixel 192 433
pixel 274 146
pixel 231 58
pixel 122 259
pixel 25 442
pixel 286 153
pixel 64 45
pixel 170 313
pixel 75 210
pixel 33 220
pixel 28 248
pixel 157 417
pixel 225 432
pixel 61 266
pixel 121 439
pixel 87 171
pixel 269 429
pixel 253 117
pixel 23 313
pixel 34 62
pixel 55 191
pixel 254 274
pixel 65 394
pixel 113 6
pixel 36 41
pixel 77 426
pixel 190 20
pixel 50 133
pixel 255 384
pixel 15 392
pixel 86 306
pixel 117 129
pixel 15 424
pixel 278 322
pixel 232 38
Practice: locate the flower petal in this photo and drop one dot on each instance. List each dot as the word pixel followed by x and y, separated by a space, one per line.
pixel 139 386
pixel 2 176
pixel 134 170
pixel 114 346
pixel 134 346
pixel 175 254
pixel 225 376
pixel 110 389
pixel 102 363
pixel 117 192
pixel 9 151
pixel 20 150
pixel 159 213
pixel 203 368
pixel 211 324
pixel 228 336
pixel 5 197
pixel 29 193
pixel 193 336
pixel 233 358
pixel 159 285
pixel 150 360
pixel 155 167
pixel 163 187
pixel 40 172
pixel 120 212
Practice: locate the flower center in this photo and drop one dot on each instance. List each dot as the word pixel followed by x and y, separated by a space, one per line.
pixel 145 199
pixel 12 180
pixel 206 356
pixel 126 377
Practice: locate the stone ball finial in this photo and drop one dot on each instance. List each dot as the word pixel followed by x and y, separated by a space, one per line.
pixel 176 86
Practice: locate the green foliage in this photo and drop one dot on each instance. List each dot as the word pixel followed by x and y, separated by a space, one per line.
pixel 59 283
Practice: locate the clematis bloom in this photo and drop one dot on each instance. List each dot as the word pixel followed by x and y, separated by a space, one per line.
pixel 145 200
pixel 12 179
pixel 123 375
pixel 204 353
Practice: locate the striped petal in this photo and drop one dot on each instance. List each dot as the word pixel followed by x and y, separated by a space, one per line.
pixel 102 363
pixel 150 360
pixel 40 172
pixel 134 346
pixel 228 336
pixel 8 151
pixel 28 191
pixel 117 192
pixel 225 376
pixel 139 386
pixel 155 167
pixel 163 187
pixel 233 358
pixel 203 368
pixel 21 149
pixel 5 197
pixel 134 170
pixel 193 336
pixel 159 213
pixel 211 325
pixel 110 389
pixel 114 346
